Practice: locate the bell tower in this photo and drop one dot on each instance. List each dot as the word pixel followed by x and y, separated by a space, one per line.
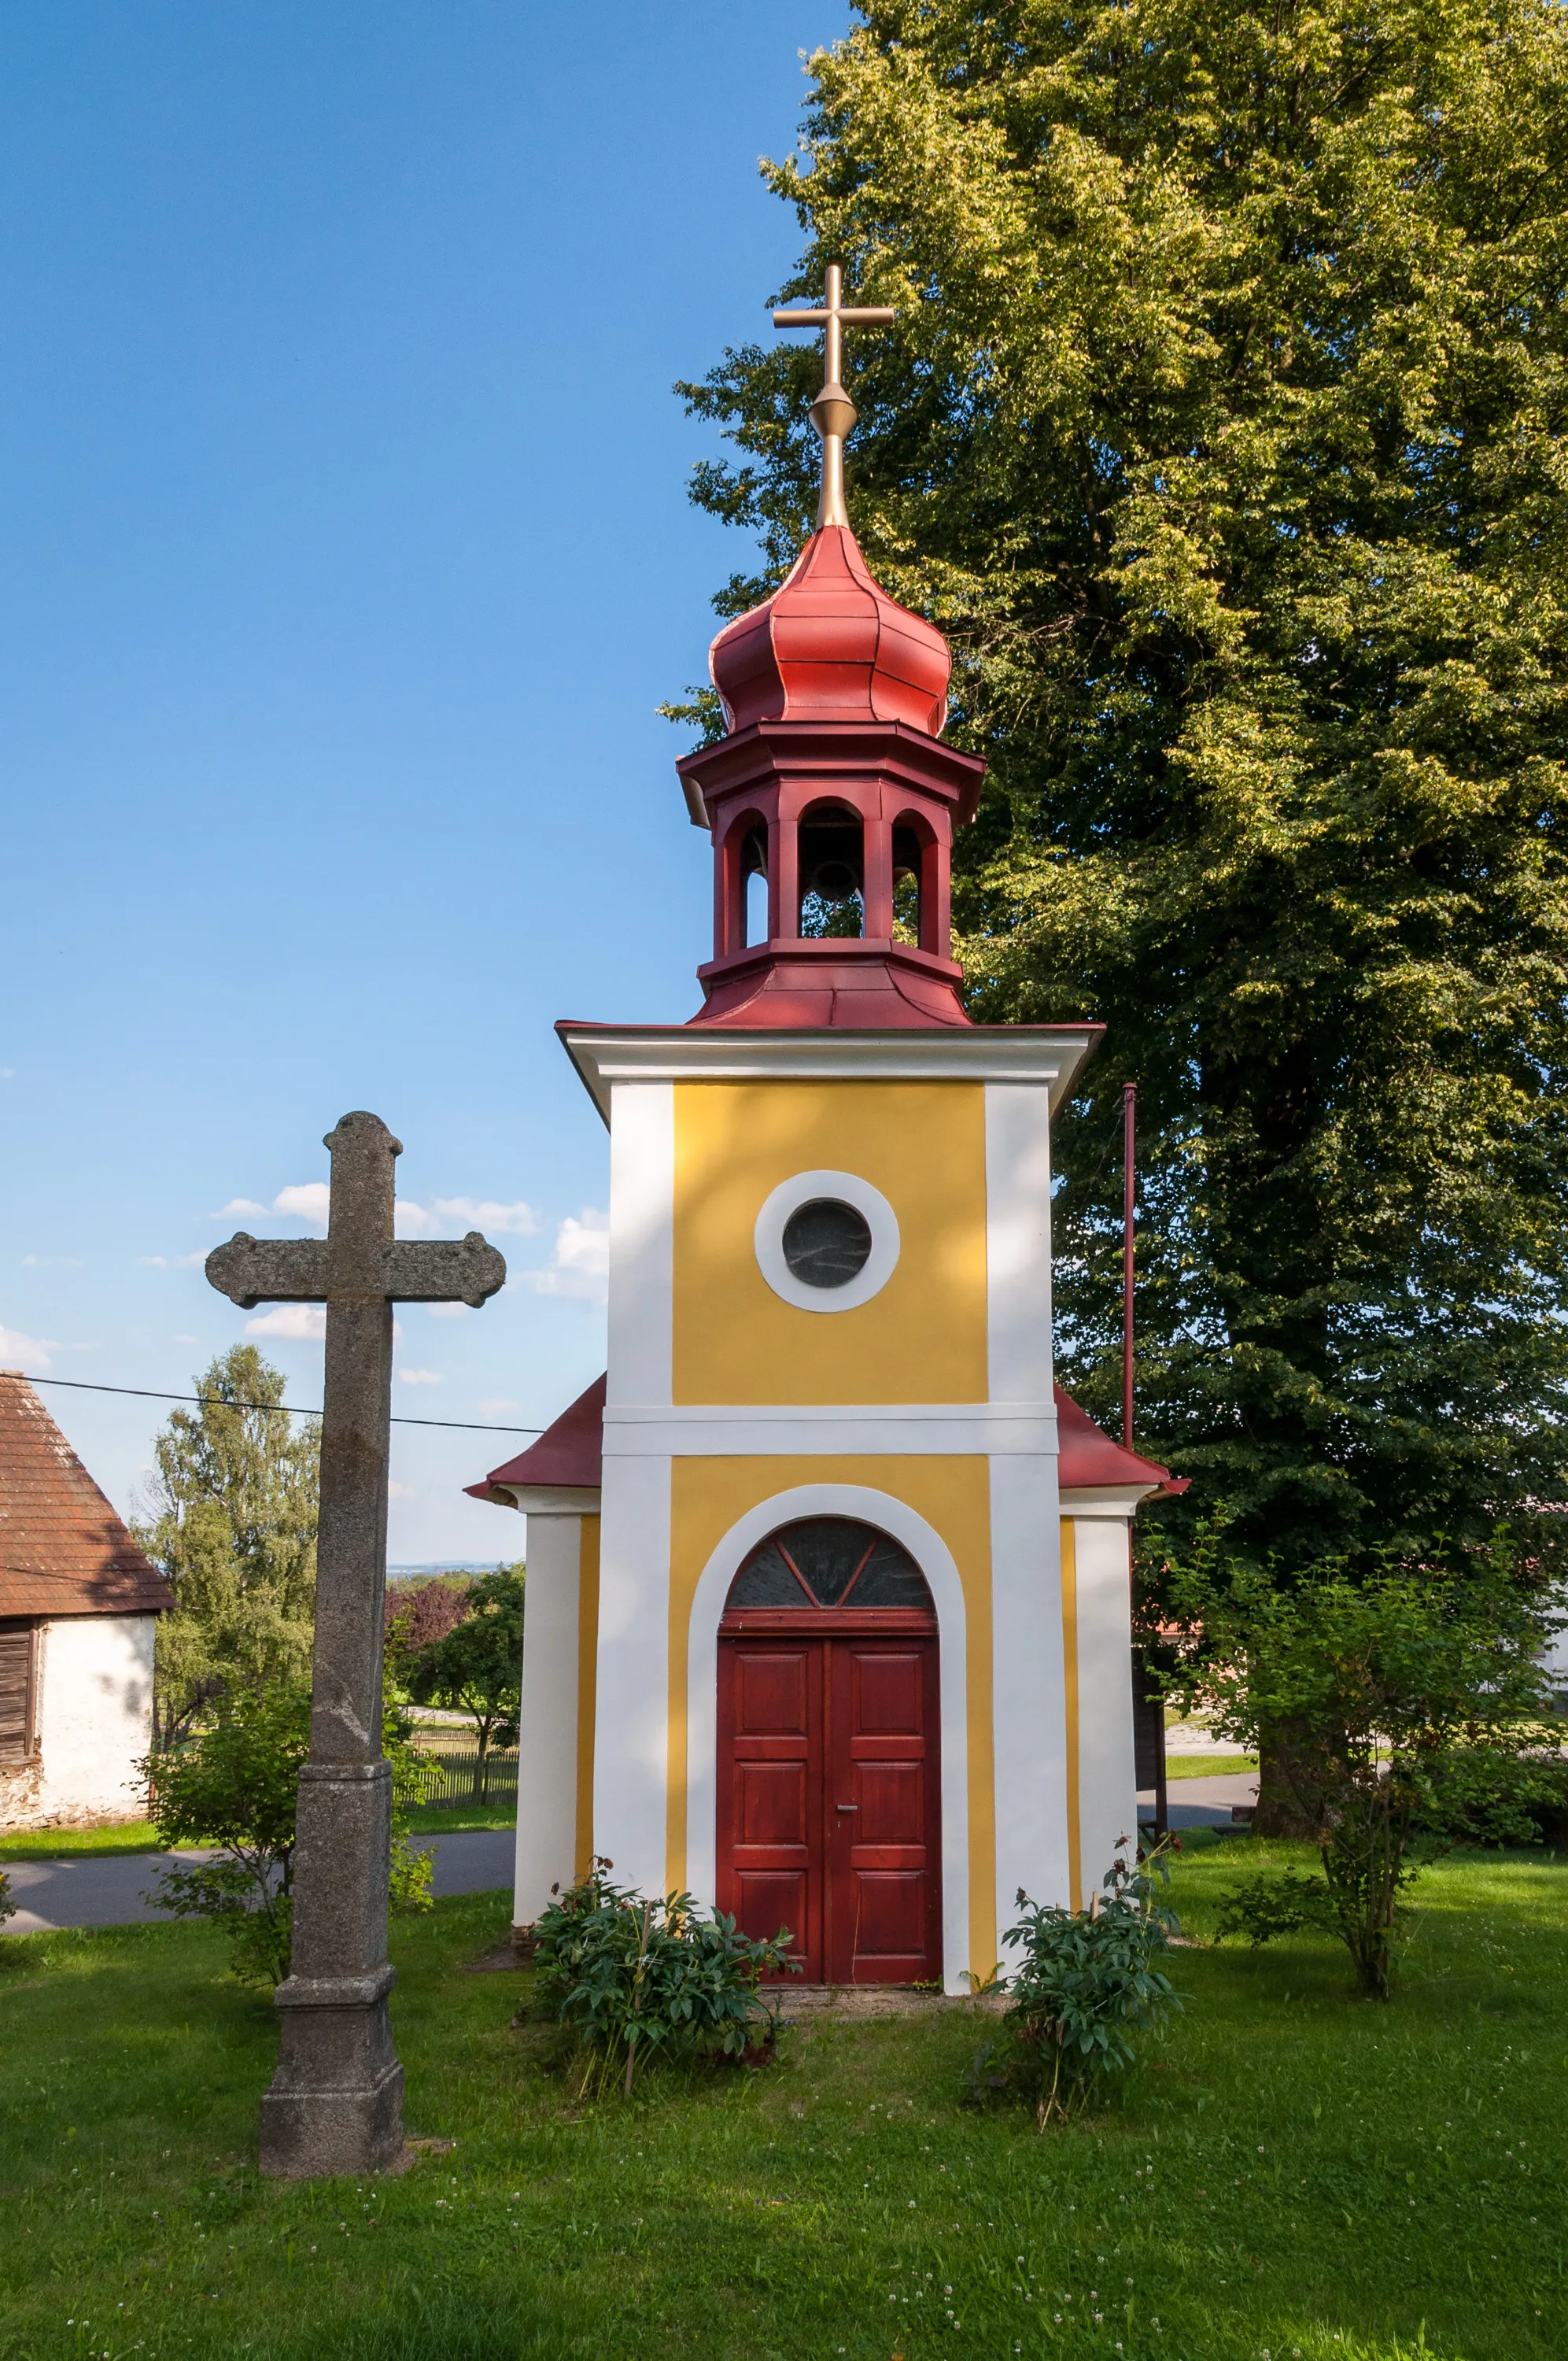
pixel 831 783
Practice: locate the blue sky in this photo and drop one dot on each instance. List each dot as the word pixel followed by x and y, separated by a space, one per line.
pixel 347 555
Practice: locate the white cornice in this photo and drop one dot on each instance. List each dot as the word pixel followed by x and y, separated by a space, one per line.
pixel 1049 1056
pixel 1113 1500
pixel 769 1429
pixel 553 1500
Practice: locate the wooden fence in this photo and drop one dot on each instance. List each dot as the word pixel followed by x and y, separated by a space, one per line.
pixel 449 1775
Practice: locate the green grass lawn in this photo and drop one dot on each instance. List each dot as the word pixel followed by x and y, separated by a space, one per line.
pixel 1208 1766
pixel 1293 2171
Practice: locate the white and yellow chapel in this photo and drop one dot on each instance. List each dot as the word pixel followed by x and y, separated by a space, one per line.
pixel 828 1583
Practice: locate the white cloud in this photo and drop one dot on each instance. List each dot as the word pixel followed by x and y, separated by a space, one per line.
pixel 170 1262
pixel 52 1262
pixel 15 1347
pixel 8 1073
pixel 187 1340
pixel 307 1200
pixel 304 1323
pixel 449 1311
pixel 490 1407
pixel 579 1265
pixel 419 1376
pixel 447 1217
pixel 402 1492
pixel 236 1205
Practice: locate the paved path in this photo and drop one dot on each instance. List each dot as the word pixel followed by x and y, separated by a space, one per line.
pixel 99 1890
pixel 1202 1803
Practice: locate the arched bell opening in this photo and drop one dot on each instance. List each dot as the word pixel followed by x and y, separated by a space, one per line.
pixel 917 915
pixel 830 841
pixel 829 1776
pixel 742 917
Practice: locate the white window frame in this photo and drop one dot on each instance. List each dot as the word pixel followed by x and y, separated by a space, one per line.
pixel 802 1188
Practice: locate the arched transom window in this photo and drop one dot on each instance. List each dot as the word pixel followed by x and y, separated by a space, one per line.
pixel 829 1562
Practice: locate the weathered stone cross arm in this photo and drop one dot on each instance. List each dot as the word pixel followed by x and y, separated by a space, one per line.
pixel 404 1271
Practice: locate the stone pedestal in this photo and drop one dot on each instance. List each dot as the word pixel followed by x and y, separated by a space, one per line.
pixel 335 2102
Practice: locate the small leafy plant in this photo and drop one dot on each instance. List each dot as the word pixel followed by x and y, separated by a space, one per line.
pixel 1088 1983
pixel 635 1978
pixel 234 1786
pixel 7 1907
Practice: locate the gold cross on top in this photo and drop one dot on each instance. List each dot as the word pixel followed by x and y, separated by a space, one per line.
pixel 833 413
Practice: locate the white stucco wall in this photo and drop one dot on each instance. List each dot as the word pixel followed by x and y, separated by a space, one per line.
pixel 547 1733
pixel 1108 1802
pixel 94 1675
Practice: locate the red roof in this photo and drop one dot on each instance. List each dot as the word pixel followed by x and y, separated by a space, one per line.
pixel 830 645
pixel 1089 1460
pixel 571 1452
pixel 62 1549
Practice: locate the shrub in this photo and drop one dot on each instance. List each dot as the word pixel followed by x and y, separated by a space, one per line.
pixel 632 1976
pixel 1419 1698
pixel 1087 1982
pixel 7 1907
pixel 234 1785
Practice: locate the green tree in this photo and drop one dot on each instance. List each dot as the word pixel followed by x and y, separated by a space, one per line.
pixel 234 1528
pixel 1220 429
pixel 477 1667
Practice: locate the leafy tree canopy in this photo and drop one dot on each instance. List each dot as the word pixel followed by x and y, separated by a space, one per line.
pixel 234 1530
pixel 476 1666
pixel 1220 429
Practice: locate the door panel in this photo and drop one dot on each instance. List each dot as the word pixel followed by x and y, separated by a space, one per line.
pixel 770 1791
pixel 883 1897
pixel 829 1801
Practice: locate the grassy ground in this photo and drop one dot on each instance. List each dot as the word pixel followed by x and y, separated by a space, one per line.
pixel 1293 2171
pixel 1208 1766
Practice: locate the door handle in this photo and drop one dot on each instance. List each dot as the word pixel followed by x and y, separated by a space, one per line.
pixel 846 1808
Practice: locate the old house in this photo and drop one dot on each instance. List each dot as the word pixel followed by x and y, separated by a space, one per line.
pixel 79 1604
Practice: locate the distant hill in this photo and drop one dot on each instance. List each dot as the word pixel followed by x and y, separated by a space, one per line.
pixel 445 1565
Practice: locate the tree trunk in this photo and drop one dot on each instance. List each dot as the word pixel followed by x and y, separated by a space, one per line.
pixel 1293 1777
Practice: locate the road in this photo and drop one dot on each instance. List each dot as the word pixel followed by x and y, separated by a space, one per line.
pixel 1202 1803
pixel 95 1890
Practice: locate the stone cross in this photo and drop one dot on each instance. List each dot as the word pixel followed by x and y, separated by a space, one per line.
pixel 833 413
pixel 335 2104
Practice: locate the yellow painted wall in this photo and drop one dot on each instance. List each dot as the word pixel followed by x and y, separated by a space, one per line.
pixel 922 1338
pixel 953 1495
pixel 587 1689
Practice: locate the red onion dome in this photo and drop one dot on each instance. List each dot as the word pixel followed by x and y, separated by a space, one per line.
pixel 830 647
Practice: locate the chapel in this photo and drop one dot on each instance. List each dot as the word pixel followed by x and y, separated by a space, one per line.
pixel 829 1582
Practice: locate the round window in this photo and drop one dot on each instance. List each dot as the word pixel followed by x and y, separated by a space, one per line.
pixel 827 1243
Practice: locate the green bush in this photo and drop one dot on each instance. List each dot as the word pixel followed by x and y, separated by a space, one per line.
pixel 634 1977
pixel 234 1785
pixel 1419 1708
pixel 1089 1981
pixel 7 1907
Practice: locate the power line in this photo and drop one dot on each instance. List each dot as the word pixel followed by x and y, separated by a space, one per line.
pixel 222 1401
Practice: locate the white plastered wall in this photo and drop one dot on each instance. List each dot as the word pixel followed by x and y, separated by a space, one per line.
pixel 1028 1696
pixel 547 1730
pixel 94 1675
pixel 1108 1801
pixel 631 1729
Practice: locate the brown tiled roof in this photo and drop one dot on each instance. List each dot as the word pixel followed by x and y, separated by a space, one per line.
pixel 62 1549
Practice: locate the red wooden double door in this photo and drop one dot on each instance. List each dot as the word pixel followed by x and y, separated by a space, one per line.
pixel 829 1793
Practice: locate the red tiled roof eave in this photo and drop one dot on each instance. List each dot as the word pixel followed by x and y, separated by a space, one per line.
pixel 63 1551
